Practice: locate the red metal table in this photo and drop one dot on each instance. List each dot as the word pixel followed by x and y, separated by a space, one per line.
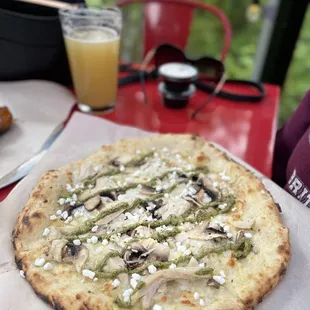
pixel 247 130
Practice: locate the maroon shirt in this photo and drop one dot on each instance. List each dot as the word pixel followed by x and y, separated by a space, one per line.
pixel 291 165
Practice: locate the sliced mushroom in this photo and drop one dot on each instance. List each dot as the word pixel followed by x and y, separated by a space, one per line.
pixel 56 249
pixel 114 263
pixel 109 218
pixel 154 282
pixel 115 162
pixel 147 190
pixel 194 200
pixel 81 259
pixel 213 283
pixel 92 203
pixel 246 224
pixel 153 207
pixel 62 251
pixel 146 250
pixel 193 262
pixel 206 233
pixel 111 195
pixel 181 237
pixel 70 208
pixel 207 185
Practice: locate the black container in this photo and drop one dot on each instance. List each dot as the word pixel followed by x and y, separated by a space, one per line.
pixel 31 43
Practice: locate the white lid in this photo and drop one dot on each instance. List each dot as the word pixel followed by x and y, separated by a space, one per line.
pixel 178 70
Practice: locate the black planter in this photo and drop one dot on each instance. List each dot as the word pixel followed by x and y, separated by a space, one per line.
pixel 31 43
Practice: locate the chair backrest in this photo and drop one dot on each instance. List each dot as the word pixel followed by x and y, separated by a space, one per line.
pixel 169 21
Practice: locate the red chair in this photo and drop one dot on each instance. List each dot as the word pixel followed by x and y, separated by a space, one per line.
pixel 169 21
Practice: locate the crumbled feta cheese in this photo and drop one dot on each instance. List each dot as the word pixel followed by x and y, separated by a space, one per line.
pixel 222 206
pixel 88 273
pixel 95 279
pixel 133 283
pixel 157 307
pixel 119 183
pixel 99 249
pixel 196 296
pixel 138 152
pixel 48 266
pixel 219 279
pixel 139 186
pixel 74 197
pixel 165 243
pixel 105 242
pixel 192 190
pixel 202 265
pixel 224 177
pixel 222 273
pixel 215 184
pixel 68 187
pixel 229 235
pixel 95 228
pixel 90 186
pixel 152 269
pixel 97 168
pixel 72 203
pixel 121 168
pixel 158 188
pixel 65 215
pixel 234 209
pixel 136 276
pixel 77 242
pixel 181 248
pixel 127 295
pixel 53 217
pixel 22 273
pixel 178 244
pixel 187 252
pixel 62 201
pixel 94 239
pixel 88 240
pixel 46 232
pixel 166 195
pixel 68 220
pixel 248 235
pixel 116 283
pixel 39 262
pixel 172 266
pixel 58 212
pixel 77 213
pixel 165 149
pixel 226 228
pixel 202 302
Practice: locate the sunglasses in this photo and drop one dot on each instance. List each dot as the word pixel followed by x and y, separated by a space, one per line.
pixel 211 77
pixel 210 69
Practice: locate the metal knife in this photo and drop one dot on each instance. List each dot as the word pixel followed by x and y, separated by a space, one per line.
pixel 23 169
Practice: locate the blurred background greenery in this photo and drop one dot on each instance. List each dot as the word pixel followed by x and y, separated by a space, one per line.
pixel 240 61
pixel 206 39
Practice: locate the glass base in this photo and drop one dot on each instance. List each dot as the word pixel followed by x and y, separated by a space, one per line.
pixel 87 109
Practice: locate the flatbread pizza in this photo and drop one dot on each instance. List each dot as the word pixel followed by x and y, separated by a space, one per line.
pixel 167 222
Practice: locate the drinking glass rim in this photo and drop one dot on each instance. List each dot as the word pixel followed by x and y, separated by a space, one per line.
pixel 98 12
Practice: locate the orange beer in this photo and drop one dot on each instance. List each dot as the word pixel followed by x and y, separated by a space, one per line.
pixel 92 38
pixel 93 56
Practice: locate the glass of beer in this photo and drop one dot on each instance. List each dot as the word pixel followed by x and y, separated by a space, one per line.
pixel 92 39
